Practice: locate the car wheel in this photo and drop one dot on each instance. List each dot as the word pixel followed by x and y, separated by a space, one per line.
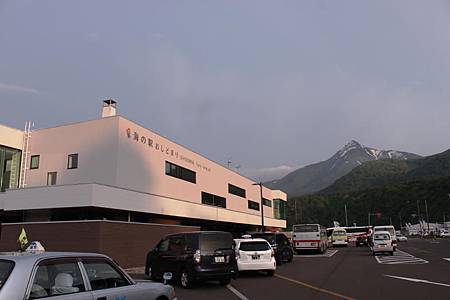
pixel 225 281
pixel 186 280
pixel 392 253
pixel 373 253
pixel 291 256
pixel 270 273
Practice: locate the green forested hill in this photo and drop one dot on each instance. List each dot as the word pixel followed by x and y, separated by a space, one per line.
pixel 394 201
pixel 382 172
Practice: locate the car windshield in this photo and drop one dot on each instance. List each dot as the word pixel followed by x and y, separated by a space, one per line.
pixel 339 233
pixel 6 268
pixel 254 246
pixel 306 228
pixel 267 236
pixel 382 237
pixel 215 241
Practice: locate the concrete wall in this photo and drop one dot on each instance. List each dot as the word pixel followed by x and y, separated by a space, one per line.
pixel 98 195
pixel 141 166
pixel 117 152
pixel 127 243
pixel 94 141
pixel 11 137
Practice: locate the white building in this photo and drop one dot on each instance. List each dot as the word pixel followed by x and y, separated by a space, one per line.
pixel 113 168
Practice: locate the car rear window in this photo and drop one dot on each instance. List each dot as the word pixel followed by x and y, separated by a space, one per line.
pixel 267 236
pixel 382 237
pixel 306 228
pixel 6 267
pixel 254 246
pixel 215 241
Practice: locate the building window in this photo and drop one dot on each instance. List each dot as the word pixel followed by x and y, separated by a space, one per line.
pixel 279 209
pixel 235 190
pixel 34 163
pixel 253 205
pixel 72 161
pixel 180 172
pixel 267 202
pixel 51 178
pixel 214 200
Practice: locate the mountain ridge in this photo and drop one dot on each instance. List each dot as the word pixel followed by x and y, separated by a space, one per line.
pixel 318 176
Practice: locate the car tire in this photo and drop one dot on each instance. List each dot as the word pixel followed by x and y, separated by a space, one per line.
pixel 270 273
pixel 392 253
pixel 225 281
pixel 186 279
pixel 291 256
pixel 373 253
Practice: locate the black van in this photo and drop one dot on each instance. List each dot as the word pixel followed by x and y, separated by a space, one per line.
pixel 194 256
pixel 280 244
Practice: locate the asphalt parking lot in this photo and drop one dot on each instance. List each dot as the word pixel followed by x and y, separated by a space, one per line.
pixel 418 270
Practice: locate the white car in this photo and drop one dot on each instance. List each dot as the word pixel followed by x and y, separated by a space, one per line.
pixel 255 255
pixel 382 243
pixel 72 276
pixel 444 234
pixel 401 238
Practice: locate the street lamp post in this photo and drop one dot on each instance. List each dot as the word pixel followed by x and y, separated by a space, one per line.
pixel 263 228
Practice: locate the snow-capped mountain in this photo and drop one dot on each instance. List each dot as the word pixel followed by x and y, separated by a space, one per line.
pixel 320 175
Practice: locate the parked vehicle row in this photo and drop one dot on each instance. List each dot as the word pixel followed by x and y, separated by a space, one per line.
pixel 193 257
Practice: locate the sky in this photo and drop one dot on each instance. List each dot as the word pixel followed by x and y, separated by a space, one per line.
pixel 268 85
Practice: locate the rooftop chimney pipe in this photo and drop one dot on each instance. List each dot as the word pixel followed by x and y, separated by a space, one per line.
pixel 109 108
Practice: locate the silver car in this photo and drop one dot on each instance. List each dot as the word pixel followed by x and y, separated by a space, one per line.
pixel 70 276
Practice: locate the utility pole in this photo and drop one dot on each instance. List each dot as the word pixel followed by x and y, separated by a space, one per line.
pixel 418 216
pixel 295 209
pixel 428 219
pixel 400 217
pixel 346 219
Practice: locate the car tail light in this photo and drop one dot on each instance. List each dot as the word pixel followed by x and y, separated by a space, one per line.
pixel 272 253
pixel 238 256
pixel 197 256
pixel 173 295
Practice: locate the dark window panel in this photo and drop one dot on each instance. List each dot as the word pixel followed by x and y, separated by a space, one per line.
pixel 34 162
pixel 235 190
pixel 253 205
pixel 180 172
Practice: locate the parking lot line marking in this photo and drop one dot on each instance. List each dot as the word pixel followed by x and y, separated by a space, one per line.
pixel 419 280
pixel 236 292
pixel 315 287
pixel 328 253
pixel 400 257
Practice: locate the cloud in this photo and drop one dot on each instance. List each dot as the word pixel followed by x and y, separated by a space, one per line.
pixel 14 88
pixel 267 174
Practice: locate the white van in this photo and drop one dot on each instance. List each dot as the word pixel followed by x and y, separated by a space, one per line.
pixel 382 242
pixel 391 230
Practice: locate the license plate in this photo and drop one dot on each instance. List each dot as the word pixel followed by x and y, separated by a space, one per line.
pixel 255 256
pixel 219 259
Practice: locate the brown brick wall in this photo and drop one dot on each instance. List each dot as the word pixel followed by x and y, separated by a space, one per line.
pixel 127 243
